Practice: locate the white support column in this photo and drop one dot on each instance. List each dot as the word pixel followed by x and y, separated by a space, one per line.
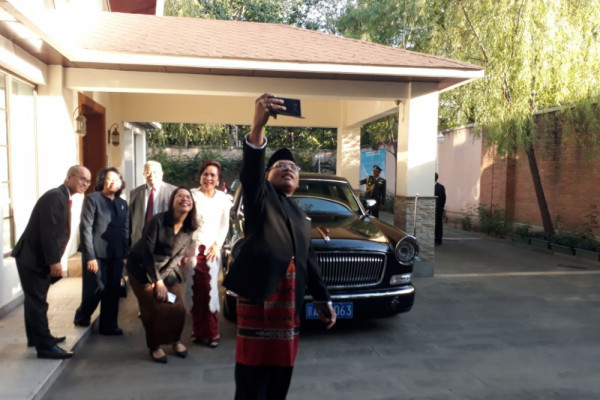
pixel 348 155
pixel 417 141
pixel 57 143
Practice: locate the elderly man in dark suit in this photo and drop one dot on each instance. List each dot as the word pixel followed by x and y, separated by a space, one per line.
pixel 148 199
pixel 275 265
pixel 104 247
pixel 38 253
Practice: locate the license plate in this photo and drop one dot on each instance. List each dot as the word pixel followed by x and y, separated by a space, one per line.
pixel 342 310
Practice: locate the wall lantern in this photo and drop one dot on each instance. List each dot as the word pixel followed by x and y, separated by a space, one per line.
pixel 80 122
pixel 113 135
pixel 440 137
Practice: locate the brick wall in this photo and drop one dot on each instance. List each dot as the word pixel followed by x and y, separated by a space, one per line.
pixel 570 178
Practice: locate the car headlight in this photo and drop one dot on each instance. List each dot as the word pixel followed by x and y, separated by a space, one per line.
pixel 407 250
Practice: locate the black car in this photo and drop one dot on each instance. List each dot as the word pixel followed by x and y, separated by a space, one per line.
pixel 366 263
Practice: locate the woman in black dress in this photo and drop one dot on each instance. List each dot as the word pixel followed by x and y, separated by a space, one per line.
pixel 155 272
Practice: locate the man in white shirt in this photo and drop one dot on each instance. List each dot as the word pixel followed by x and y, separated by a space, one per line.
pixel 148 199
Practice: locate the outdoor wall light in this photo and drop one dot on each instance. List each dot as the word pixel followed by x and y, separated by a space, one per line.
pixel 440 137
pixel 113 135
pixel 80 122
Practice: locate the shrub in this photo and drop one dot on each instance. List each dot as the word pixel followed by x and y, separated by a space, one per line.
pixel 564 239
pixel 491 221
pixel 466 223
pixel 523 231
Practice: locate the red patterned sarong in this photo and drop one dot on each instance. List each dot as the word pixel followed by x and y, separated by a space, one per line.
pixel 268 331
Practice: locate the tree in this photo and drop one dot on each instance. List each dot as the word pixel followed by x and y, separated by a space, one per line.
pixel 536 54
pixel 310 14
pixel 383 132
pixel 396 23
pixel 185 135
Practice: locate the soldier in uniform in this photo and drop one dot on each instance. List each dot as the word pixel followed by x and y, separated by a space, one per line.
pixel 375 189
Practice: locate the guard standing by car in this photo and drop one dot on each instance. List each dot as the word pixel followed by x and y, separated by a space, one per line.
pixel 375 189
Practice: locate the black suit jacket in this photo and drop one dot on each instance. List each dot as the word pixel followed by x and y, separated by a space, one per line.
pixel 158 253
pixel 440 197
pixel 276 231
pixel 47 233
pixel 104 227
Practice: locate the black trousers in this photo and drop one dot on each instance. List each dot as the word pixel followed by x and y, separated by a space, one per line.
pixel 35 286
pixel 101 287
pixel 438 226
pixel 262 382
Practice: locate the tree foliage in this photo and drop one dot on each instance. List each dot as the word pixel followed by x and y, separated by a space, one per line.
pixel 186 135
pixel 537 54
pixel 310 14
pixel 403 23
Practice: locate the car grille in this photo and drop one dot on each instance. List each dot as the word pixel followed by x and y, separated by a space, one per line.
pixel 348 270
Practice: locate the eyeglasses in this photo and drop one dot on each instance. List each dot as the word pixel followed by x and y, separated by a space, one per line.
pixel 282 165
pixel 83 180
pixel 183 196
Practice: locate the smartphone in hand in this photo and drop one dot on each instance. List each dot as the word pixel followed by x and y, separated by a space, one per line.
pixel 323 307
pixel 171 297
pixel 292 107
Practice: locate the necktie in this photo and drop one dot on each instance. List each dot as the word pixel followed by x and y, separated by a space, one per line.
pixel 150 207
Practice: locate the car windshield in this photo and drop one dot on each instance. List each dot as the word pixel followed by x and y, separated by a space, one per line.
pixel 320 197
pixel 314 206
pixel 326 197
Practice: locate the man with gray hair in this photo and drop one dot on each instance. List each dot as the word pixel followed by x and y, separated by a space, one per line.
pixel 148 199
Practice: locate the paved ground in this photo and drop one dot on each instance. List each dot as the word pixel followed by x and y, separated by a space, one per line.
pixel 498 321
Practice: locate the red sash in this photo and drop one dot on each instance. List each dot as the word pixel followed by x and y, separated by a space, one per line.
pixel 268 331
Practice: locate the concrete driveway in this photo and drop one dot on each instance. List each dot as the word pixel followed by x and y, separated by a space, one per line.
pixel 498 321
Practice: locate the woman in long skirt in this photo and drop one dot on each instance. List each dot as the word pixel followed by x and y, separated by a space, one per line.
pixel 213 224
pixel 155 272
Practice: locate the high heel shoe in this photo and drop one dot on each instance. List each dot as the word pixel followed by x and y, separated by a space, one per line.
pixel 160 360
pixel 180 354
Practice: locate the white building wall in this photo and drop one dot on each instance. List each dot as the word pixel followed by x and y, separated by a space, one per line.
pixel 42 146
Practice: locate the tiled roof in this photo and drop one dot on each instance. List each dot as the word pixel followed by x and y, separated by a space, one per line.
pixel 234 40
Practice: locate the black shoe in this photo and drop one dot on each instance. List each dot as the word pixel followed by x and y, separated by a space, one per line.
pixel 59 339
pixel 55 339
pixel 160 360
pixel 82 322
pixel 180 354
pixel 115 332
pixel 54 353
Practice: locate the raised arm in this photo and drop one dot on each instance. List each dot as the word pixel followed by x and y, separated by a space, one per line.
pixel 263 109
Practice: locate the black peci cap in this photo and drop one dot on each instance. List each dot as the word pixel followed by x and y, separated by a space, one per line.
pixel 281 154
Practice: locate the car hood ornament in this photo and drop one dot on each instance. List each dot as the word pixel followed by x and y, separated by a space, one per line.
pixel 324 232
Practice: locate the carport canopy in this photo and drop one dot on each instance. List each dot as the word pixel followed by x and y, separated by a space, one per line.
pixel 188 70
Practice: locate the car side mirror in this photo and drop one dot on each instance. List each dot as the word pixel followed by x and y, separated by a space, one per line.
pixel 369 204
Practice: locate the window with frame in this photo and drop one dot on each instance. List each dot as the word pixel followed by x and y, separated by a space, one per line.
pixel 17 114
pixel 7 217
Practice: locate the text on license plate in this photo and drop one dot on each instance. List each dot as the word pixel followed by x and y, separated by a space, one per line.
pixel 342 310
